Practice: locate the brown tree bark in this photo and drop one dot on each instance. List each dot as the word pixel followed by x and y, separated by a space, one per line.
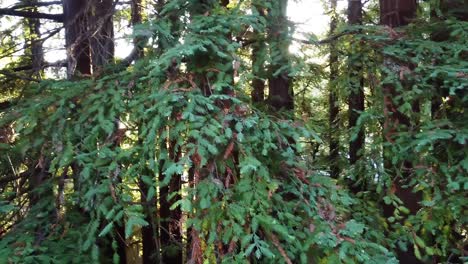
pixel 76 42
pixel 396 13
pixel 101 32
pixel 149 233
pixel 170 233
pixel 258 62
pixel 36 50
pixel 137 18
pixel 356 96
pixel 171 226
pixel 333 104
pixel 280 94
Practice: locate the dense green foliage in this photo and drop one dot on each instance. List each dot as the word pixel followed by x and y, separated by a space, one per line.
pixel 256 185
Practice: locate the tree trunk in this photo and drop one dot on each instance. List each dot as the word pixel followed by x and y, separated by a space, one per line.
pixel 170 233
pixel 396 13
pixel 333 103
pixel 258 62
pixel 76 41
pixel 136 19
pixel 280 83
pixel 171 227
pixel 101 31
pixel 37 54
pixel 356 96
pixel 149 233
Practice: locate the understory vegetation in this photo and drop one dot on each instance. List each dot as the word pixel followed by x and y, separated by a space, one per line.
pixel 214 142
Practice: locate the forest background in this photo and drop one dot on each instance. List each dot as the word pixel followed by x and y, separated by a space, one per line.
pixel 232 134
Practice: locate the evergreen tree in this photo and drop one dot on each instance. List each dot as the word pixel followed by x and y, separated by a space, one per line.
pixel 179 153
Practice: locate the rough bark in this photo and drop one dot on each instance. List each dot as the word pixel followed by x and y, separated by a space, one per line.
pixel 171 231
pixel 35 44
pixel 119 229
pixel 136 19
pixel 258 63
pixel 76 42
pixel 149 233
pixel 280 95
pixel 396 13
pixel 356 96
pixel 171 227
pixel 441 11
pixel 333 103
pixel 101 33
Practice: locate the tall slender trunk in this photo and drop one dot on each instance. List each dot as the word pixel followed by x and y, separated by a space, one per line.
pixel 137 18
pixel 333 103
pixel 170 233
pixel 356 96
pixel 36 49
pixel 76 42
pixel 149 233
pixel 101 32
pixel 280 94
pixel 440 11
pixel 396 13
pixel 39 180
pixel 171 226
pixel 258 62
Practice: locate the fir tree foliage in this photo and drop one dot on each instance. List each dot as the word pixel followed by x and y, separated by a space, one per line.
pixel 74 152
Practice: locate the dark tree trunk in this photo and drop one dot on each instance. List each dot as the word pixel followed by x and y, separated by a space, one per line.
pixel 137 19
pixel 171 227
pixel 149 233
pixel 280 83
pixel 447 8
pixel 121 243
pixel 258 84
pixel 170 233
pixel 396 13
pixel 333 103
pixel 42 191
pixel 37 54
pixel 258 63
pixel 100 35
pixel 41 197
pixel 441 11
pixel 356 96
pixel 101 31
pixel 76 40
pixel 119 229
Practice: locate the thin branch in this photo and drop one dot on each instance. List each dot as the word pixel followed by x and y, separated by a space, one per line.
pixel 17 76
pixel 29 14
pixel 51 33
pixel 61 63
pixel 26 5
pixel 8 179
pixel 327 40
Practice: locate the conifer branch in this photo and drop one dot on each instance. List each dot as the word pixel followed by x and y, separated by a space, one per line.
pixel 29 14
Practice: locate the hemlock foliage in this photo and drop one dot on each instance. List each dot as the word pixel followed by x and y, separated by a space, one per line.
pixel 86 161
